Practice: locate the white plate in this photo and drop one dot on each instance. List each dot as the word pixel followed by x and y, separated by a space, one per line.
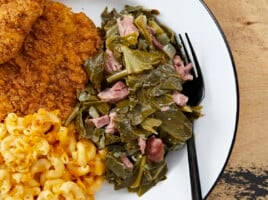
pixel 216 130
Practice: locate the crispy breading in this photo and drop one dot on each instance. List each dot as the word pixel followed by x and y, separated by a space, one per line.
pixel 4 1
pixel 49 68
pixel 16 20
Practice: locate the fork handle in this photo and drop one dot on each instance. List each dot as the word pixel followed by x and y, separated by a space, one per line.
pixel 193 168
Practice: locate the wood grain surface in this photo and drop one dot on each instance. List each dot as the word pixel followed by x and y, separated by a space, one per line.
pixel 245 24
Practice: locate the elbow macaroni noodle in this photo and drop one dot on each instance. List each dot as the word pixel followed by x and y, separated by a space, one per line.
pixel 40 159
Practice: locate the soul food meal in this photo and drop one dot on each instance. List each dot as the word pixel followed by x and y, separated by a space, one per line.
pixel 80 104
pixel 133 106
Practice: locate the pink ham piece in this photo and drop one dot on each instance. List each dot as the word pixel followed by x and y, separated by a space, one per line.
pixel 100 121
pixel 128 164
pixel 126 26
pixel 184 71
pixel 111 126
pixel 156 43
pixel 178 61
pixel 155 149
pixel 151 30
pixel 114 94
pixel 111 64
pixel 179 98
pixel 142 144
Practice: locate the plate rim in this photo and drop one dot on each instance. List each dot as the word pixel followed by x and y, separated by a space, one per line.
pixel 237 94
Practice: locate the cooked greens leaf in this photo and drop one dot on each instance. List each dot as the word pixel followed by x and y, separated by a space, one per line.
pixel 153 173
pixel 170 50
pixel 137 61
pixel 137 10
pixel 79 122
pixel 138 179
pixel 141 23
pixel 116 165
pixel 156 27
pixel 141 112
pixel 131 39
pixel 149 123
pixel 126 130
pixel 73 115
pixel 94 68
pixel 93 112
pixel 175 129
pixel 109 18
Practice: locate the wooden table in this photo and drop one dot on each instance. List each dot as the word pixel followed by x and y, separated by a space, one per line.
pixel 245 24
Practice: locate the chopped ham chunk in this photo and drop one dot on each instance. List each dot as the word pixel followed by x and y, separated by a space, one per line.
pixel 127 162
pixel 114 94
pixel 178 61
pixel 156 43
pixel 183 70
pixel 111 126
pixel 100 121
pixel 151 30
pixel 180 99
pixel 111 64
pixel 126 26
pixel 142 144
pixel 155 149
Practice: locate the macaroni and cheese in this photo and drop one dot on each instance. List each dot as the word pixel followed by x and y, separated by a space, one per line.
pixel 40 159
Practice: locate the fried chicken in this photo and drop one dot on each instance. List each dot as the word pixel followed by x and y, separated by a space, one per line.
pixel 4 1
pixel 16 20
pixel 49 68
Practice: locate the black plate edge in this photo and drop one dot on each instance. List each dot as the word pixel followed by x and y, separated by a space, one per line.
pixel 237 93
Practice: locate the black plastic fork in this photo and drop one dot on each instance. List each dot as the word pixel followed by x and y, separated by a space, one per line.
pixel 195 91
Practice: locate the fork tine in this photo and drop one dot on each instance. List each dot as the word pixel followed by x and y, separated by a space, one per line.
pixel 196 63
pixel 198 76
pixel 187 56
pixel 185 50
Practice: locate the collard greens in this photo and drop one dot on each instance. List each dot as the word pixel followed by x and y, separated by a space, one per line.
pixel 147 119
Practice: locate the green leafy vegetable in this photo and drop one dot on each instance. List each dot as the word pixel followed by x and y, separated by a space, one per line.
pixel 152 174
pixel 148 113
pixel 137 181
pixel 169 50
pixel 118 168
pixel 175 129
pixel 95 68
pixel 149 123
pixel 141 23
pixel 156 27
pixel 137 61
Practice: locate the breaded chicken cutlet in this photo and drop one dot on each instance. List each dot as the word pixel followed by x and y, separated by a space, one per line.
pixel 49 68
pixel 16 19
